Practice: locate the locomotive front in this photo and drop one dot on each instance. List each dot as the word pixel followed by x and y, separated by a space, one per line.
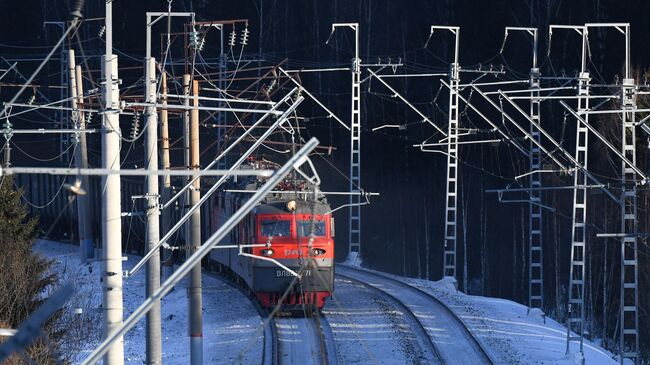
pixel 298 234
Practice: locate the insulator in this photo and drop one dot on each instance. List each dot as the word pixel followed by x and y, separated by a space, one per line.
pixel 201 43
pixel 31 100
pixel 89 118
pixel 194 39
pixel 233 38
pixel 272 85
pixel 76 9
pixel 244 36
pixel 135 126
pixel 101 32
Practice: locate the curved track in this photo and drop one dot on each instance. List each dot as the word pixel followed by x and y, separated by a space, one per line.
pixel 452 341
pixel 303 340
pixel 328 347
pixel 428 349
pixel 291 340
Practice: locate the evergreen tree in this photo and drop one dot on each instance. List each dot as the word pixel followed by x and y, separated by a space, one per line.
pixel 25 276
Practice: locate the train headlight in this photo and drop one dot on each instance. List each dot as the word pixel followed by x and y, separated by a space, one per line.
pixel 292 205
pixel 318 252
pixel 267 252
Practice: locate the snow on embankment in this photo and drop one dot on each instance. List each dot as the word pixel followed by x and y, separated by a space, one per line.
pixel 232 331
pixel 509 333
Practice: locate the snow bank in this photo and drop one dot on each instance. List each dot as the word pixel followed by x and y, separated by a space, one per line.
pixel 511 333
pixel 232 328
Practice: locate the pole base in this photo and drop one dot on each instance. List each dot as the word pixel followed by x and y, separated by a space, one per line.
pixel 353 259
pixel 196 350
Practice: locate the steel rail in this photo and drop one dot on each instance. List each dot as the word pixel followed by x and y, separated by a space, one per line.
pixel 398 304
pixel 479 345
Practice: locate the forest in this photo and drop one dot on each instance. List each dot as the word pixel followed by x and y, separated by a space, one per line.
pixel 403 228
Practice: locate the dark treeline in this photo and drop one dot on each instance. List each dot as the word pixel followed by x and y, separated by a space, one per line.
pixel 403 228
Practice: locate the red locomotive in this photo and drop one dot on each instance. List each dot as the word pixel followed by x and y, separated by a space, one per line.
pixel 291 229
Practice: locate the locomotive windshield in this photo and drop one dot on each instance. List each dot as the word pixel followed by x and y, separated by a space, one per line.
pixel 305 228
pixel 278 228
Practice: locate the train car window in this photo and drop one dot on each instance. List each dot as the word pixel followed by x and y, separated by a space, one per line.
pixel 305 228
pixel 276 228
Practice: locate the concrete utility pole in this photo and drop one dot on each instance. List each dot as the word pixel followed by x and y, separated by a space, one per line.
pixel 80 159
pixel 153 18
pixel 88 239
pixel 186 153
pixel 111 206
pixel 195 303
pixel 154 341
pixel 168 265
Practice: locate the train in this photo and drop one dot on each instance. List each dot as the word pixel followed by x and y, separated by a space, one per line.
pixel 283 251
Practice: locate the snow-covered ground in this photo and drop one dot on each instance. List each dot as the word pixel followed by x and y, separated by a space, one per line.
pixel 232 328
pixel 510 334
pixel 366 329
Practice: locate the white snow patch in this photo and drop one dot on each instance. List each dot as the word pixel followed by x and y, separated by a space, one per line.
pixel 509 332
pixel 232 328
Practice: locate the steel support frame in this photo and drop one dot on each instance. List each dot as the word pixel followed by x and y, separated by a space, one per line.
pixel 354 236
pixel 629 295
pixel 576 305
pixel 451 191
pixel 535 219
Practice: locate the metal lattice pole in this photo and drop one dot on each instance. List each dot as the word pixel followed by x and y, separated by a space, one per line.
pixel 451 201
pixel 451 197
pixel 535 235
pixel 576 308
pixel 535 227
pixel 354 237
pixel 355 156
pixel 629 302
pixel 535 219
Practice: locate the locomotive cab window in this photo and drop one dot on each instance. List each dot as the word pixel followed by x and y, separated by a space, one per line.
pixel 277 228
pixel 305 228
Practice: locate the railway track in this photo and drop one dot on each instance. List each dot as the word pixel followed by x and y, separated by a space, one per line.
pixel 428 350
pixel 303 340
pixel 292 340
pixel 450 339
